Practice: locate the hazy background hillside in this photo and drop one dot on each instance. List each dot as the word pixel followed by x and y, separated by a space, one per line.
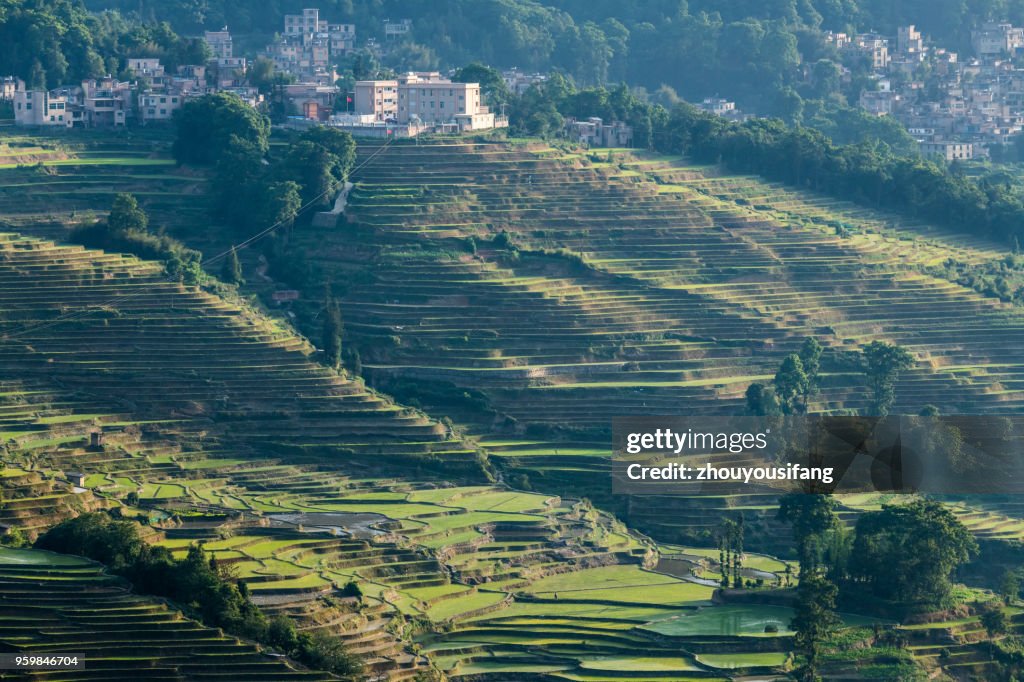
pixel 750 51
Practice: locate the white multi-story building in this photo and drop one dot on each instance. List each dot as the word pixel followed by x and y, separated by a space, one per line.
pixel 395 29
pixel 42 108
pixel 425 98
pixel 909 40
pixel 948 150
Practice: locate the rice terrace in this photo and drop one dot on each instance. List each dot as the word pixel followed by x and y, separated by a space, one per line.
pixel 302 378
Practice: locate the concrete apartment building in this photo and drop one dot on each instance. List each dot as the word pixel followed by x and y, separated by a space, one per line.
pixel 147 67
pixel 425 98
pixel 220 43
pixel 948 150
pixel 96 103
pixel 42 108
pixel 310 44
pixel 874 47
pixel 8 86
pixel 106 102
pixel 377 99
pixel 909 40
pixel 397 29
pixel 594 132
pixel 996 39
pixel 156 106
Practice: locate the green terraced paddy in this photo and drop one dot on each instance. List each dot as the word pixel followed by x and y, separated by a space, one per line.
pixel 647 324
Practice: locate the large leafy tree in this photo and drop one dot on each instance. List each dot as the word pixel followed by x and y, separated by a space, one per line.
pixel 907 553
pixel 811 516
pixel 207 125
pixel 883 363
pixel 492 85
pixel 814 618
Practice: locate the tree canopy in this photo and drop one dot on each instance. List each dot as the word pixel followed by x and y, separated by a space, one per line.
pixel 207 125
pixel 907 553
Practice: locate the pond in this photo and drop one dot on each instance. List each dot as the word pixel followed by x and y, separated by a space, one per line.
pixel 728 620
pixel 738 619
pixel 354 524
pixel 36 557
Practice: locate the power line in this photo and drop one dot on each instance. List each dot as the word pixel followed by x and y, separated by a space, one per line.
pixel 67 317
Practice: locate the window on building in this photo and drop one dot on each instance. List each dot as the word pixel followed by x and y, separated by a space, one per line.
pixel 163 111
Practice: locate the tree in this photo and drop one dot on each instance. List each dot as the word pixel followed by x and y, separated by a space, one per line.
pixel 332 331
pixel 995 621
pixel 762 401
pixel 1009 586
pixel 811 516
pixel 262 74
pixel 814 618
pixel 907 553
pixel 883 363
pixel 313 168
pixel 791 384
pixel 282 634
pixel 341 145
pixel 492 85
pixel 321 651
pixel 96 536
pixel 125 215
pixel 726 539
pixel 205 127
pixel 231 271
pixel 278 204
pixel 810 357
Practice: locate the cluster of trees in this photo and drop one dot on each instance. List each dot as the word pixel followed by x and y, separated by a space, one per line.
pixel 796 380
pixel 126 230
pixel 254 191
pixel 900 559
pixel 879 171
pixel 59 41
pixel 730 552
pixel 197 583
pixel 871 174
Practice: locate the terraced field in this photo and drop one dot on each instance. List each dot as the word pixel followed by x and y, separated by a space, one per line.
pixel 57 604
pixel 640 286
pixel 303 481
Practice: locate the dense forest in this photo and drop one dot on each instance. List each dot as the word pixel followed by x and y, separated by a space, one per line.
pixel 55 42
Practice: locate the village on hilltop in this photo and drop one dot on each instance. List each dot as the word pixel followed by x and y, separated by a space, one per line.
pixel 955 109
